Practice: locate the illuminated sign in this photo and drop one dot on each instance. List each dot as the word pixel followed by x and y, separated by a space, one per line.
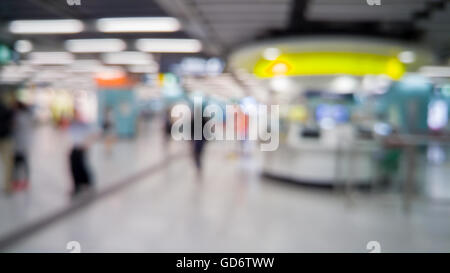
pixel 329 63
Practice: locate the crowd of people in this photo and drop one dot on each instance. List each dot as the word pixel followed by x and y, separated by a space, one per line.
pixel 16 131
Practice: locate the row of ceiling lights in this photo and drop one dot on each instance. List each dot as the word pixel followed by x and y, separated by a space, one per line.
pixel 272 53
pixel 156 45
pixel 108 25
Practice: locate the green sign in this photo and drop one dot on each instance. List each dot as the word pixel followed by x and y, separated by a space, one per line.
pixel 5 54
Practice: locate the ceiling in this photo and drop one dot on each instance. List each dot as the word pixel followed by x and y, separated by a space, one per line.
pixel 224 25
pixel 89 9
pixel 358 11
pixel 227 24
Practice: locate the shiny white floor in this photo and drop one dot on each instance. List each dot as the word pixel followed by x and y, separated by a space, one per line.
pixel 231 209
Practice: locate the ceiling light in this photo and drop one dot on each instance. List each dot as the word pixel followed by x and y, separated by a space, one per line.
pixel 23 46
pixel 127 57
pixel 138 24
pixel 44 58
pixel 280 83
pixel 169 45
pixel 407 57
pixel 271 53
pixel 95 45
pixel 280 69
pixel 344 84
pixel 46 26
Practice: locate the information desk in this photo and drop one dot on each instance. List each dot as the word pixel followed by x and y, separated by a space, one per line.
pixel 335 157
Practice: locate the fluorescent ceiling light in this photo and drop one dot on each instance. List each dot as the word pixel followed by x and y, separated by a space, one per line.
pixel 46 26
pixel 95 45
pixel 43 58
pixel 138 24
pixel 169 45
pixel 23 46
pixel 127 57
pixel 407 57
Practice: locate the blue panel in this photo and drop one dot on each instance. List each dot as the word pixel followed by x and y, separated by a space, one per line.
pixel 124 109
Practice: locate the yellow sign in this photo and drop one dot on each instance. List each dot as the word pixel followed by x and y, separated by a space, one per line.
pixel 330 63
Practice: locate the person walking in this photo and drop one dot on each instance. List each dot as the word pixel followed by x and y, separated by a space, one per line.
pixel 6 145
pixel 108 127
pixel 23 124
pixel 198 144
pixel 168 125
pixel 81 135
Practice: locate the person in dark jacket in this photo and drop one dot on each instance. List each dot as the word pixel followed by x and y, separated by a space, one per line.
pixel 6 144
pixel 82 135
pixel 23 125
pixel 198 145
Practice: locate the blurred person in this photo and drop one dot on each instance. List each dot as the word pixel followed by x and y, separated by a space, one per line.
pixel 242 120
pixel 81 135
pixel 6 144
pixel 198 145
pixel 108 129
pixel 168 125
pixel 167 131
pixel 240 123
pixel 23 123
